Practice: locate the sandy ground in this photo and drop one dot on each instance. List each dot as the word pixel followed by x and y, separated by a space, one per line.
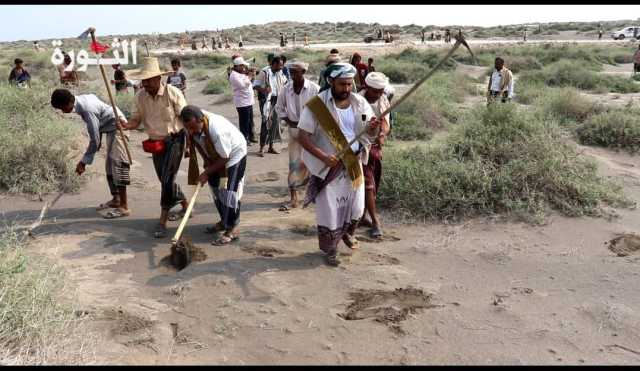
pixel 485 291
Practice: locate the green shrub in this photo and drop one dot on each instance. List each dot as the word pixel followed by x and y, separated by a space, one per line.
pixel 218 84
pixel 623 58
pixel 38 145
pixel 566 105
pixel 501 159
pixel 410 128
pixel 198 74
pixel 33 317
pixel 433 104
pixel 618 128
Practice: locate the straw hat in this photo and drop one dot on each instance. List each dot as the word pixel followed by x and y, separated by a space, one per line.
pixel 150 68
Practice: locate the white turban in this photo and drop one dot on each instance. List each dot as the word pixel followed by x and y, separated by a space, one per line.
pixel 298 65
pixel 376 80
pixel 340 71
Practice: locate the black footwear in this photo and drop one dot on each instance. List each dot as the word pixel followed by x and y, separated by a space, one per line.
pixel 333 261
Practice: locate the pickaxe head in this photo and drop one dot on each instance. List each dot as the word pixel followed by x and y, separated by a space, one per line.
pixel 461 40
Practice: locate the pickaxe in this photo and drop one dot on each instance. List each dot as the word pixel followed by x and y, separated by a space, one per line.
pixel 459 41
pixel 92 31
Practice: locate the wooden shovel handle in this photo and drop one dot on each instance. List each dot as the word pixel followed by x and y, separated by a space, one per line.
pixel 113 104
pixel 187 214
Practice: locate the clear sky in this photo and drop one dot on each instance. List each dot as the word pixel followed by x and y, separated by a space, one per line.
pixel 31 22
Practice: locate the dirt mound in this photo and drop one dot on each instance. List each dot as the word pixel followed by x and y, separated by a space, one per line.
pixel 384 238
pixel 265 251
pixel 184 253
pixel 383 259
pixel 125 323
pixel 305 230
pixel 388 307
pixel 625 244
pixel 270 176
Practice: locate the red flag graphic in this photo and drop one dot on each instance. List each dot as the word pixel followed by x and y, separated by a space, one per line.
pixel 99 48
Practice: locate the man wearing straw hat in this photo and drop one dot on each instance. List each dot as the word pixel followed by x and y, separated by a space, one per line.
pixel 158 106
pixel 374 93
pixel 328 122
pixel 292 98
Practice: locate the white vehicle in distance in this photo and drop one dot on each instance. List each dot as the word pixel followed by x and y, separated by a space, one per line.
pixel 626 33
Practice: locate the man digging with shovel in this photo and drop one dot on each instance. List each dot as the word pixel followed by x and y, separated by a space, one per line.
pixel 223 149
pixel 158 106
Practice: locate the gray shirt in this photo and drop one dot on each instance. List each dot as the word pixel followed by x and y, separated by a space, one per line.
pixel 98 116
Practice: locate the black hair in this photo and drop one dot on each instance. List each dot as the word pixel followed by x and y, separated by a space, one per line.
pixel 284 58
pixel 61 97
pixel 189 112
pixel 370 59
pixel 334 51
pixel 499 59
pixel 276 60
pixel 17 61
pixel 175 61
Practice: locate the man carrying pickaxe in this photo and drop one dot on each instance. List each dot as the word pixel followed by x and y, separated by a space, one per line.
pixel 336 129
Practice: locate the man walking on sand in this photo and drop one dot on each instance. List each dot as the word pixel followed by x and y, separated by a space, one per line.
pixel 223 149
pixel 374 93
pixel 327 123
pixel 500 83
pixel 292 98
pixel 158 107
pixel 98 118
pixel 240 79
pixel 269 82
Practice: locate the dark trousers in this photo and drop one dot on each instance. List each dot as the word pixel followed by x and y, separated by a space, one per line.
pixel 167 165
pixel 226 199
pixel 268 136
pixel 262 99
pixel 245 121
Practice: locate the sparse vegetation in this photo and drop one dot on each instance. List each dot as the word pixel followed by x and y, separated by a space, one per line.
pixel 38 144
pixel 617 128
pixel 217 84
pixel 501 159
pixel 34 320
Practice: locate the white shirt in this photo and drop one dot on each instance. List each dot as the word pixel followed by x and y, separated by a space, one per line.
pixel 496 81
pixel 347 122
pixel 227 139
pixel 310 124
pixel 275 80
pixel 242 90
pixel 290 104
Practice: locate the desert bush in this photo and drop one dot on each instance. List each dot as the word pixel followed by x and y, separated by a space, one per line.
pixel 33 316
pixel 623 58
pixel 566 105
pixel 618 128
pixel 432 106
pixel 198 74
pixel 37 144
pixel 574 74
pixel 218 84
pixel 410 65
pixel 500 160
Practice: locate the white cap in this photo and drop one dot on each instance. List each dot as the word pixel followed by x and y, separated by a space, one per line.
pixel 240 61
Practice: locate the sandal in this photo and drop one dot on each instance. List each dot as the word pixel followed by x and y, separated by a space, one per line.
pixel 224 240
pixel 286 207
pixel 106 205
pixel 161 231
pixel 351 242
pixel 117 213
pixel 333 260
pixel 218 227
pixel 375 232
pixel 178 215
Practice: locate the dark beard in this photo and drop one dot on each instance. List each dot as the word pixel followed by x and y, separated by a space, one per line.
pixel 338 97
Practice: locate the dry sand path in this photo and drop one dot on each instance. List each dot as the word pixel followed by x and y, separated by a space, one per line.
pixel 491 292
